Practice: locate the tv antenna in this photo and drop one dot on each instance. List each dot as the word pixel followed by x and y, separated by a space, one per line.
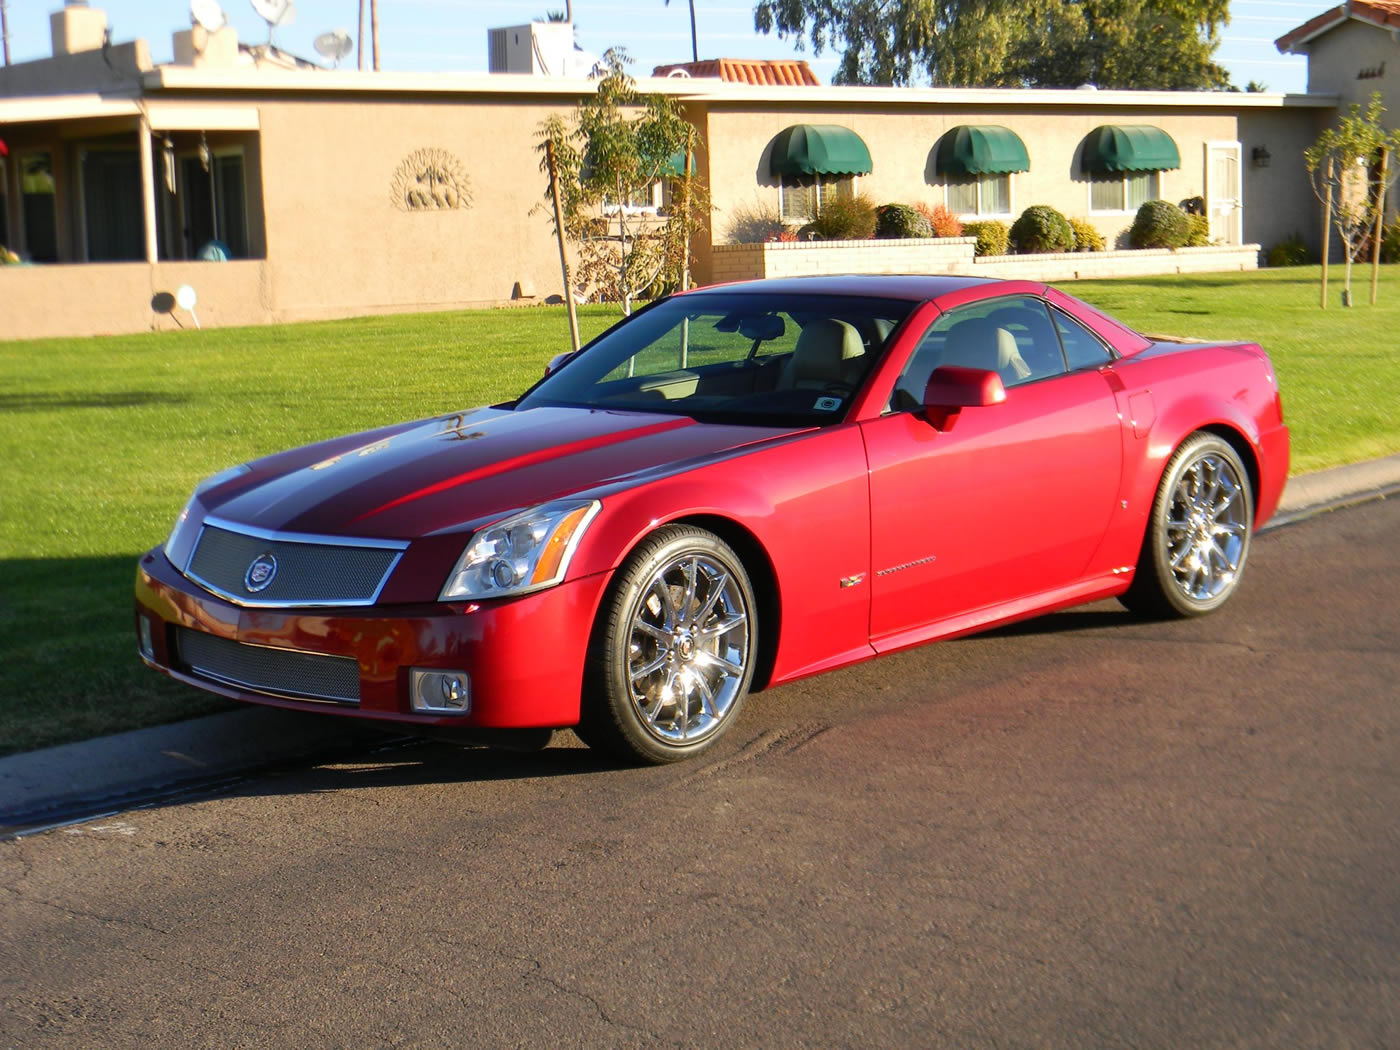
pixel 275 13
pixel 208 15
pixel 334 45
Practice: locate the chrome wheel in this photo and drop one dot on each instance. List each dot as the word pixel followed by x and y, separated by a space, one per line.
pixel 688 649
pixel 1206 527
pixel 1197 539
pixel 673 650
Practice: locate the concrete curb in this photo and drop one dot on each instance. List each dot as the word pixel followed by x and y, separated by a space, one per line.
pixel 80 781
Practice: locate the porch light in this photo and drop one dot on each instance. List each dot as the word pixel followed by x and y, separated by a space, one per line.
pixel 1261 157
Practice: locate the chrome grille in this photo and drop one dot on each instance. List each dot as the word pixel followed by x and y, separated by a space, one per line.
pixel 279 672
pixel 310 571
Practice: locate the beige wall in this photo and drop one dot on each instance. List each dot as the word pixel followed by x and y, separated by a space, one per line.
pixel 1278 199
pixel 337 240
pixel 902 139
pixel 1337 57
pixel 113 298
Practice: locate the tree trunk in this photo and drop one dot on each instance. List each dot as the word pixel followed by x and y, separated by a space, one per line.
pixel 559 231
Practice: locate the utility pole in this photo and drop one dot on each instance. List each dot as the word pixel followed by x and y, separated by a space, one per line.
pixel 374 30
pixel 360 39
pixel 5 31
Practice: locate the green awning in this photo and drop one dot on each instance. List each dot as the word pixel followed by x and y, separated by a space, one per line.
pixel 819 149
pixel 980 149
pixel 1113 148
pixel 674 166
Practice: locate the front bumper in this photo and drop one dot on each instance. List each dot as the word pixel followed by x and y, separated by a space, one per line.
pixel 524 655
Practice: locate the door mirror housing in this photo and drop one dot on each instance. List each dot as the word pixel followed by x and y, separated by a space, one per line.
pixel 952 387
pixel 557 360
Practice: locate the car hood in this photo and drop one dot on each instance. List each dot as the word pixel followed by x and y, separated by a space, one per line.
pixel 459 471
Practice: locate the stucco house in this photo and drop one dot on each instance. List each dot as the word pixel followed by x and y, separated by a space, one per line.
pixel 282 191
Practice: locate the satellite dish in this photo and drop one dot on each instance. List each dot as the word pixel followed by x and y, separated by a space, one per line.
pixel 208 15
pixel 334 45
pixel 275 13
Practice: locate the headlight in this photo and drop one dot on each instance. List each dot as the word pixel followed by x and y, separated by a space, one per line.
pixel 204 486
pixel 526 552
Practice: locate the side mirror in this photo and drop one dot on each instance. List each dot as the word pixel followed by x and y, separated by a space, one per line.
pixel 954 387
pixel 556 361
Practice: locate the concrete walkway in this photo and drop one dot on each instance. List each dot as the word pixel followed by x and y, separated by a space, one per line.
pixel 113 773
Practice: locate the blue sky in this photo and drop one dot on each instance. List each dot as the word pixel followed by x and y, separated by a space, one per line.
pixel 451 34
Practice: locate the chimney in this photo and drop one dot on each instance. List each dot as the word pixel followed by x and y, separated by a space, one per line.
pixel 77 28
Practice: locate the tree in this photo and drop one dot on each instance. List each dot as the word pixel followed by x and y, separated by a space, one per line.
pixel 619 145
pixel 694 44
pixel 1010 43
pixel 1350 175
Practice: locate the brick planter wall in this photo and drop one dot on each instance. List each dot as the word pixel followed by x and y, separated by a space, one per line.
pixel 956 255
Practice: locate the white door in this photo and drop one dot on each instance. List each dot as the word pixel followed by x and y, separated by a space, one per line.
pixel 1224 194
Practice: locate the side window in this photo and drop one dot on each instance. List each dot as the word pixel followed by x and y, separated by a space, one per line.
pixel 1012 336
pixel 1082 348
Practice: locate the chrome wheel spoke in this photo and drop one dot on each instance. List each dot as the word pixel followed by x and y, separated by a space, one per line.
pixel 651 631
pixel 719 630
pixel 652 666
pixel 715 660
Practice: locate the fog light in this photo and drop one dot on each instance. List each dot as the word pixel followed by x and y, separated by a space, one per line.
pixel 143 635
pixel 440 692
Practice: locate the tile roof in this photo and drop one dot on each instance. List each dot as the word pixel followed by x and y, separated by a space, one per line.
pixel 781 71
pixel 1383 13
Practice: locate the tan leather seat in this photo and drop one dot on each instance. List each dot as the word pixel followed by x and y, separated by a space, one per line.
pixel 978 343
pixel 823 356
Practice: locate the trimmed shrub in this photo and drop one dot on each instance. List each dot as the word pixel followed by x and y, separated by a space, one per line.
pixel 993 238
pixel 1160 224
pixel 1041 229
pixel 1087 238
pixel 846 219
pixel 1199 235
pixel 1291 251
pixel 754 223
pixel 943 222
pixel 900 220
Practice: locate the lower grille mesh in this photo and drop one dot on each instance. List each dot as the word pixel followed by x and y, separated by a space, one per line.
pixel 280 672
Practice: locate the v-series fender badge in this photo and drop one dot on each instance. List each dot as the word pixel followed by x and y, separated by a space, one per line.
pixel 907 565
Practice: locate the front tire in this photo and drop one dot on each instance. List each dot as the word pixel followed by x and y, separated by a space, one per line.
pixel 1198 535
pixel 673 651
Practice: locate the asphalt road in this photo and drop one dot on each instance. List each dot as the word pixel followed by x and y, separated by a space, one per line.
pixel 1079 832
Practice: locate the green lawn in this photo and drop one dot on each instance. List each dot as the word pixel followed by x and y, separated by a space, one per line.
pixel 102 439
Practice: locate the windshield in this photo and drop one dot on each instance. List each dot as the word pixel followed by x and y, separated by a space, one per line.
pixel 757 358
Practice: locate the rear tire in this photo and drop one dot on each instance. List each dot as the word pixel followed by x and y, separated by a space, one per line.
pixel 673 650
pixel 1198 535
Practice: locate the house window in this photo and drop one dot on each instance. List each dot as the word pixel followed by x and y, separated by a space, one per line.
pixel 1126 192
pixel 980 194
pixel 113 229
pixel 213 204
pixel 801 197
pixel 645 199
pixel 38 207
